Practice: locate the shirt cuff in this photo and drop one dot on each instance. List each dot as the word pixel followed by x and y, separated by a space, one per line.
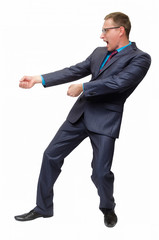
pixel 43 81
pixel 83 86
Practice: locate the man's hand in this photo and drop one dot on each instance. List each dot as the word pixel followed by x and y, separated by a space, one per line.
pixel 29 81
pixel 74 90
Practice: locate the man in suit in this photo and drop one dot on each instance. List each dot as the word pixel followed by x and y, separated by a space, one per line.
pixel 116 71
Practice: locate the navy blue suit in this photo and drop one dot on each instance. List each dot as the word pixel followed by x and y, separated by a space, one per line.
pixel 97 114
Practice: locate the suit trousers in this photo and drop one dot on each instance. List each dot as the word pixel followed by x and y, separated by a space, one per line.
pixel 68 137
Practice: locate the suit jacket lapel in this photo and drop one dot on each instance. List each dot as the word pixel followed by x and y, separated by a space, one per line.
pixel 100 58
pixel 125 51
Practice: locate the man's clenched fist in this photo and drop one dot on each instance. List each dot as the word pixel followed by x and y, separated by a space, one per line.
pixel 29 81
pixel 75 90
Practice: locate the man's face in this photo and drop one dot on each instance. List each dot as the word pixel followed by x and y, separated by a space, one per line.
pixel 111 36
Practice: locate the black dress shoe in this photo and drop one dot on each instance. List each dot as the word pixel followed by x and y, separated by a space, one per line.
pixel 30 216
pixel 110 218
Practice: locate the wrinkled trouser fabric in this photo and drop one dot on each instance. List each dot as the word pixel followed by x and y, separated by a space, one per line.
pixel 68 137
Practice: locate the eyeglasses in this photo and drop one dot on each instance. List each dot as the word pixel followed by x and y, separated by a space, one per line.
pixel 104 30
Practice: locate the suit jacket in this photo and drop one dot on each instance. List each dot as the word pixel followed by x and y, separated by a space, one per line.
pixel 104 96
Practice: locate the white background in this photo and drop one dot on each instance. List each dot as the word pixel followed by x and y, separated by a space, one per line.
pixel 40 36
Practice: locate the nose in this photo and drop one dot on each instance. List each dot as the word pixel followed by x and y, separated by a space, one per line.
pixel 102 36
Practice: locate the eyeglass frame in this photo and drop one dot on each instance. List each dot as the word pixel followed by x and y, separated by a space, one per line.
pixel 104 30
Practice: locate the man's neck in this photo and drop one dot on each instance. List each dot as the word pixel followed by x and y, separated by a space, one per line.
pixel 123 43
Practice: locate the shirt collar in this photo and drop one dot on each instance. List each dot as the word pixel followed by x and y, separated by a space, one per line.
pixel 119 49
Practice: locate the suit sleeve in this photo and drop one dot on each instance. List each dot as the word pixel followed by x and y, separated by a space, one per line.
pixel 129 77
pixel 69 74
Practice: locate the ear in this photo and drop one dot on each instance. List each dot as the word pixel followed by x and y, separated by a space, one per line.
pixel 122 31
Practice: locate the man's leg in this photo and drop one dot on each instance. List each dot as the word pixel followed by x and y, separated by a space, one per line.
pixel 103 178
pixel 67 138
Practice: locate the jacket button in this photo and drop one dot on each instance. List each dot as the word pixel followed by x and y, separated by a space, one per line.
pixel 92 93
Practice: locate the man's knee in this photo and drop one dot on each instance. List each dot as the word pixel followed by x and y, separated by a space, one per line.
pixel 52 158
pixel 99 177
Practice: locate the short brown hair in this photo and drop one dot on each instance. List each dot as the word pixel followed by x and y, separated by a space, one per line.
pixel 120 19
